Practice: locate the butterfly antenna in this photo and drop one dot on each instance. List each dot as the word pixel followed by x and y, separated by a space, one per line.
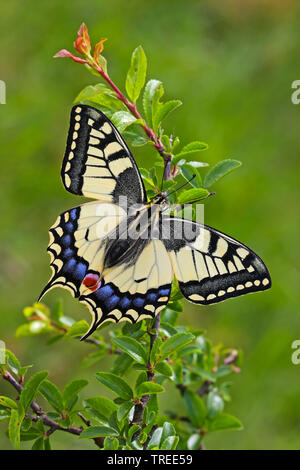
pixel 182 186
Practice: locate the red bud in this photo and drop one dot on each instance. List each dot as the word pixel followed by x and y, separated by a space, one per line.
pixel 65 53
pixel 82 43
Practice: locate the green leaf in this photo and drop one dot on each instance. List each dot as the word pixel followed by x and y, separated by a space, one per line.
pixel 178 371
pixel 164 369
pixel 77 329
pixel 35 327
pixel 111 443
pixel 195 408
pixel 142 377
pixel 191 195
pixel 95 356
pixel 14 428
pixel 215 404
pixel 8 402
pixel 136 75
pixel 175 342
pixel 124 119
pixel 4 414
pixel 219 170
pixel 135 139
pixel 122 364
pixel 148 388
pixel 155 351
pixel 30 435
pixel 51 393
pixel 38 444
pixel 116 384
pixel 132 347
pixel 98 431
pixel 168 430
pixel 153 404
pixel 163 111
pixel 205 374
pixel 189 149
pixel 132 430
pixel 170 443
pixel 176 306
pixel 188 173
pixel 12 361
pixel 194 441
pixel 124 410
pixel 102 407
pixel 224 421
pixel 196 164
pixel 71 391
pixel 155 439
pixel 100 95
pixel 31 389
pixel 152 93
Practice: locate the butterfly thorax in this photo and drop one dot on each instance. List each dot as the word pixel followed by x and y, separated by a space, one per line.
pixel 131 236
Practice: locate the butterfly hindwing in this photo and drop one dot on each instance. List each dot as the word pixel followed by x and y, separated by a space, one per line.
pixel 97 161
pixel 209 265
pixel 77 243
pixel 136 288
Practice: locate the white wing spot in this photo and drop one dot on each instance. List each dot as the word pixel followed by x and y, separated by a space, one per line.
pixel 151 308
pixel 231 267
pixel 221 249
pixel 242 252
pixel 106 128
pixel 196 297
pixel 211 296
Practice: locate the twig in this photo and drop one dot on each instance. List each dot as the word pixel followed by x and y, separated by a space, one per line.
pixel 53 425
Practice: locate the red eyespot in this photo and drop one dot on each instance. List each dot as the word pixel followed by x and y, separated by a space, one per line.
pixel 92 281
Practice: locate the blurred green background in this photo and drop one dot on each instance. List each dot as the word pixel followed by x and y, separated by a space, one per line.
pixel 232 64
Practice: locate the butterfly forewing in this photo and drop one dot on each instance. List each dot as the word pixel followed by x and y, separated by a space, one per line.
pixel 97 162
pixel 209 265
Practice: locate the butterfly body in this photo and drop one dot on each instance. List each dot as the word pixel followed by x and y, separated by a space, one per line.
pixel 120 253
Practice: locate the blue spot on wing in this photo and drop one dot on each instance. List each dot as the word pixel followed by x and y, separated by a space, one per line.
pixel 112 301
pixel 138 302
pixel 164 292
pixel 73 215
pixel 124 303
pixel 68 252
pixel 66 240
pixel 104 292
pixel 69 227
pixel 70 265
pixel 80 271
pixel 152 297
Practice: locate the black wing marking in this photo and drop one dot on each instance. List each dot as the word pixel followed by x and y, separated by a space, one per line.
pixel 97 161
pixel 209 265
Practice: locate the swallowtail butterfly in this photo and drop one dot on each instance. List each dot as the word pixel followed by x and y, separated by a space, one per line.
pixel 119 253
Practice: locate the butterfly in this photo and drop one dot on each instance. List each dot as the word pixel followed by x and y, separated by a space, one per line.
pixel 119 253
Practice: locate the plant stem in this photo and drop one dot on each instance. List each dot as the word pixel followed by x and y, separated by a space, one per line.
pixel 133 110
pixel 53 425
